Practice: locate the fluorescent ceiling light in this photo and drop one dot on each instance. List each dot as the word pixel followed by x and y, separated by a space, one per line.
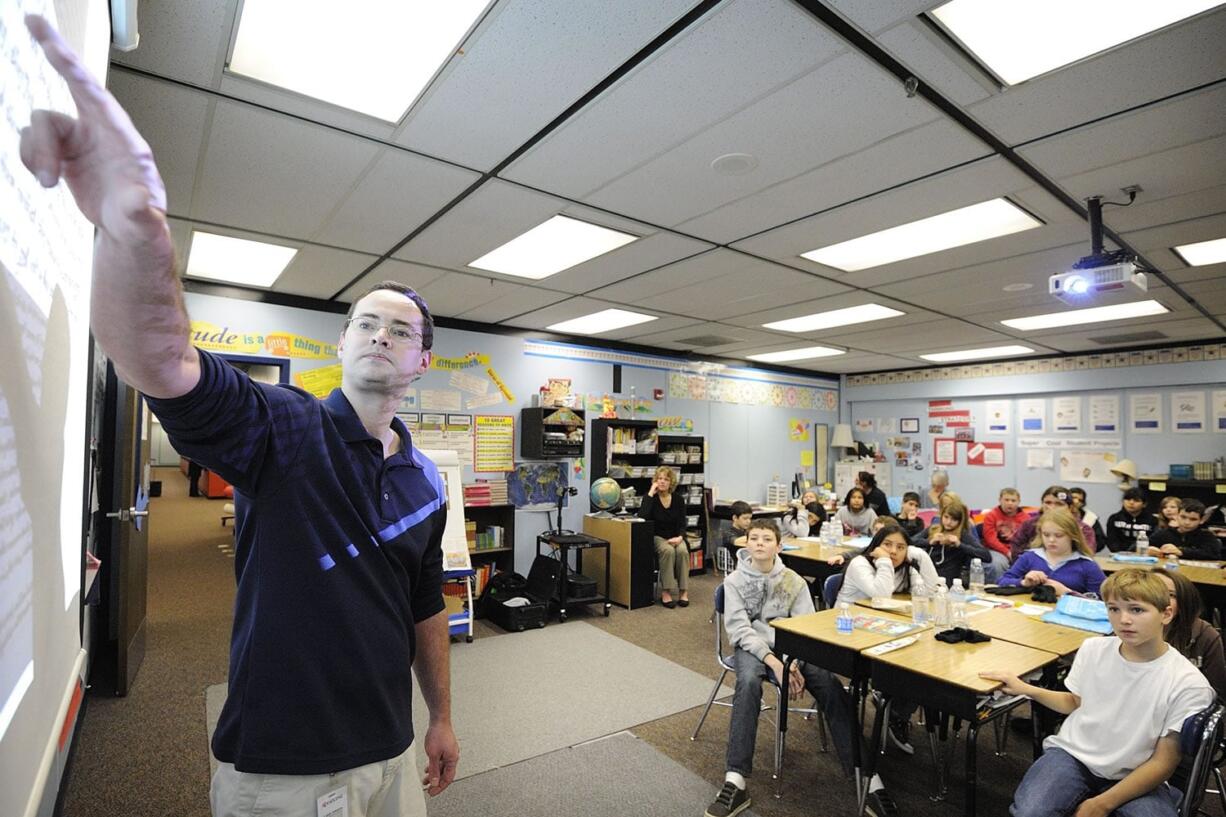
pixel 966 225
pixel 558 244
pixel 977 354
pixel 604 321
pixel 371 56
pixel 835 317
pixel 1075 317
pixel 1020 39
pixel 236 260
pixel 797 354
pixel 1203 252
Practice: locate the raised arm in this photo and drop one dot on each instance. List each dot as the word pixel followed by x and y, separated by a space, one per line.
pixel 137 311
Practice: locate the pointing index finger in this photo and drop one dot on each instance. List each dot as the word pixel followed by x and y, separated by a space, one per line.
pixel 85 90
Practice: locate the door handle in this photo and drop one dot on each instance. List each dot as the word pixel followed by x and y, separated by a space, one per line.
pixel 126 514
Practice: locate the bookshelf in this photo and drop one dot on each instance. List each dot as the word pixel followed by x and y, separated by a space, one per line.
pixel 550 432
pixel 489 526
pixel 629 451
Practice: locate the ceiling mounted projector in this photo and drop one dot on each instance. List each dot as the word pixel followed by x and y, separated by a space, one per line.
pixel 1080 282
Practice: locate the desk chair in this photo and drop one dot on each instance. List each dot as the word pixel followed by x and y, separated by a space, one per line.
pixel 726 666
pixel 831 588
pixel 1200 739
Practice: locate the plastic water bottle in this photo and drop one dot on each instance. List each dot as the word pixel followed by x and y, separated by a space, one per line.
pixel 1172 562
pixel 957 605
pixel 1142 543
pixel 977 581
pixel 844 623
pixel 919 603
pixel 940 607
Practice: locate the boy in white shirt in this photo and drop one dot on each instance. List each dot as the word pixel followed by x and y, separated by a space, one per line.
pixel 1128 696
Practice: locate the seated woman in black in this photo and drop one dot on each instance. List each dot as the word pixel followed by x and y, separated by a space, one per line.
pixel 666 511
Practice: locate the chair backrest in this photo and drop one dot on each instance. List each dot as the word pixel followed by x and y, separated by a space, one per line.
pixel 831 588
pixel 979 531
pixel 1199 739
pixel 725 561
pixel 718 618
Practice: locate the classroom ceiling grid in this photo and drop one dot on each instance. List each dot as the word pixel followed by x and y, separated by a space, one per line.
pixel 728 138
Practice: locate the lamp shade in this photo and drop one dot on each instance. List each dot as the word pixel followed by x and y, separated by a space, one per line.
pixel 1125 468
pixel 842 437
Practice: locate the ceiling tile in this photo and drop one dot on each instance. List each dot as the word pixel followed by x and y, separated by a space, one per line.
pixel 935 63
pixel 173 121
pixel 578 307
pixel 526 63
pixel 318 272
pixel 1152 67
pixel 270 173
pixel 911 315
pixel 455 293
pixel 397 194
pixel 760 286
pixel 844 106
pixel 414 275
pixel 1185 329
pixel 187 41
pixel 744 50
pixel 512 302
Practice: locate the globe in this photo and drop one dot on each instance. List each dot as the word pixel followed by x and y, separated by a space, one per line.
pixel 606 494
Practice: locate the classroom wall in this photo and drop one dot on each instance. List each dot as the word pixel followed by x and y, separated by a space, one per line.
pixel 749 445
pixel 979 486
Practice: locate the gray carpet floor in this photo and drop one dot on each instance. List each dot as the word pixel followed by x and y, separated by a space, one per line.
pixel 611 777
pixel 536 692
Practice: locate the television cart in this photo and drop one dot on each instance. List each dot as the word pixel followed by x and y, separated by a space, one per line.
pixel 562 544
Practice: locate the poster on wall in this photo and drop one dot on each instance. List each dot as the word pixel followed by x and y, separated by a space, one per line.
pixel 494 443
pixel 945 451
pixel 440 400
pixel 798 430
pixel 319 381
pixel 986 454
pixel 1087 466
pixel 1104 413
pixel 1066 413
pixel 1188 411
pixel 909 425
pixel 1145 413
pixel 1219 410
pixel 885 425
pixel 1032 416
pixel 866 425
pixel 998 416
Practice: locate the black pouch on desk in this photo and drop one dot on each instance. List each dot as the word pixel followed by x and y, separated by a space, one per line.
pixel 1014 590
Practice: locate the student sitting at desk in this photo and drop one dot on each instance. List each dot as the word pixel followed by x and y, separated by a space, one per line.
pixel 909 519
pixel 759 591
pixel 805 518
pixel 1196 639
pixel 887 566
pixel 1077 503
pixel 1189 540
pixel 1129 522
pixel 734 537
pixel 1168 512
pixel 952 546
pixel 1060 558
pixel 856 514
pixel 1000 524
pixel 1101 763
pixel 1056 496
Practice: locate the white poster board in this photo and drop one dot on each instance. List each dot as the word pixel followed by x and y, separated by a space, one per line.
pixel 455 543
pixel 1087 466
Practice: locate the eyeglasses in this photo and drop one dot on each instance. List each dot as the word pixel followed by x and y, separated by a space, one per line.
pixel 398 333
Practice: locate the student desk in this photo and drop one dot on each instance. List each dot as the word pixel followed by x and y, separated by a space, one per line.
pixel 1029 631
pixel 945 677
pixel 1198 572
pixel 814 639
pixel 810 559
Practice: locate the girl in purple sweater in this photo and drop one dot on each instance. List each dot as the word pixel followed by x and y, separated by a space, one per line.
pixel 1060 558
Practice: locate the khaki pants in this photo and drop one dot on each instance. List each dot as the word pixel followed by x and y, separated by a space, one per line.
pixel 389 788
pixel 674 564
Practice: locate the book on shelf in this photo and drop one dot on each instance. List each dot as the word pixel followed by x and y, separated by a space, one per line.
pixel 485 492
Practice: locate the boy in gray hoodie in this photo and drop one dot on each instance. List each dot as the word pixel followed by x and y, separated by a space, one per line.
pixel 759 590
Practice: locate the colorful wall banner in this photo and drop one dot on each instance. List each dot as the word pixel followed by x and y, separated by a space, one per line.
pixel 716 389
pixel 469 361
pixel 213 338
pixel 320 382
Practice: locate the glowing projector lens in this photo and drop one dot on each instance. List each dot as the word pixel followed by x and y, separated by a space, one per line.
pixel 1077 285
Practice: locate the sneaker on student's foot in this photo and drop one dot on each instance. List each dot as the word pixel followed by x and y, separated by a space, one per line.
pixel 729 801
pixel 880 804
pixel 899 733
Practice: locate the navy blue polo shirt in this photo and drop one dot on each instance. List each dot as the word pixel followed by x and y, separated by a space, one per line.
pixel 338 553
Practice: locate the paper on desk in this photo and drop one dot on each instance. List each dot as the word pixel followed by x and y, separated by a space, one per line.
pixel 1032 609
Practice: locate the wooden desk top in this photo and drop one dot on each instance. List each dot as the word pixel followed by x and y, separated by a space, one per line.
pixel 960 664
pixel 820 626
pixel 813 551
pixel 1029 631
pixel 1199 573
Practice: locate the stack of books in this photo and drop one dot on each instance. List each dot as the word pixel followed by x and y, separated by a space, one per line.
pixel 483 493
pixel 491 537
